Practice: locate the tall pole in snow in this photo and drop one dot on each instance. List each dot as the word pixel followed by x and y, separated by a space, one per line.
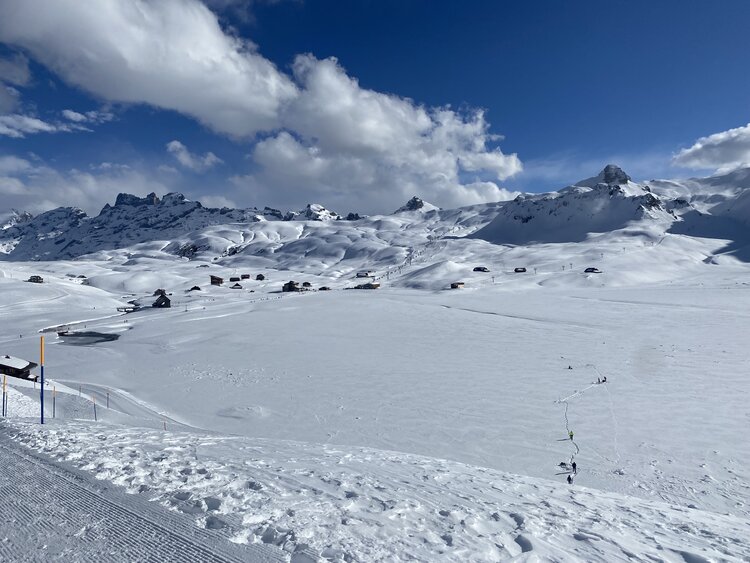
pixel 41 362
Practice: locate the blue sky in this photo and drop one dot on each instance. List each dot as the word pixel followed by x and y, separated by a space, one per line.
pixel 359 105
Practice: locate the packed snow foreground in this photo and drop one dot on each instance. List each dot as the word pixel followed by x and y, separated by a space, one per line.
pixel 413 422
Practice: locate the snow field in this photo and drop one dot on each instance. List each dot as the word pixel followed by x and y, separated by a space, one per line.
pixel 367 505
pixel 464 377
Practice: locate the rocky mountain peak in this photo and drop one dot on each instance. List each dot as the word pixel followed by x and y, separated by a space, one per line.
pixel 416 204
pixel 124 199
pixel 613 174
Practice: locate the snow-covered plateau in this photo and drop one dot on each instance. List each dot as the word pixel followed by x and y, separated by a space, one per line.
pixel 410 422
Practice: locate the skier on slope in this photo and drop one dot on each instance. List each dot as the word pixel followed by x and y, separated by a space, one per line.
pixel 570 435
pixel 575 467
pixel 570 479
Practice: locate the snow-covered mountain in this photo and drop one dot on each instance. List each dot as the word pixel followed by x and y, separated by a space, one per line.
pixel 417 204
pixel 607 202
pixel 610 202
pixel 68 232
pixel 13 217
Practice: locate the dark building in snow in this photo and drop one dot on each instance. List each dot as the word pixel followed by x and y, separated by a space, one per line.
pixel 162 302
pixel 16 367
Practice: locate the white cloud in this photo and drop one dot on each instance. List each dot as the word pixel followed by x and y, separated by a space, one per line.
pixel 335 140
pixel 37 187
pixel 74 116
pixel 190 160
pixel 376 183
pixel 18 126
pixel 13 165
pixel 367 151
pixel 171 54
pixel 88 117
pixel 722 151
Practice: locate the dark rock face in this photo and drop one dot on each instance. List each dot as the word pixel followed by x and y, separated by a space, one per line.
pixel 128 199
pixel 413 204
pixel 613 174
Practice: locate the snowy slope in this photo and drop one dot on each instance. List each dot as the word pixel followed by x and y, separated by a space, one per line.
pixel 452 401
pixel 360 504
pixel 605 203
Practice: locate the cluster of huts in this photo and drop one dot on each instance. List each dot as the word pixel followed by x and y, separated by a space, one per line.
pixel 217 280
pixel 516 270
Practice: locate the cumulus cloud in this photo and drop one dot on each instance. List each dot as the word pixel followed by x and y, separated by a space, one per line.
pixel 723 151
pixel 326 137
pixel 366 150
pixel 171 54
pixel 190 160
pixel 35 186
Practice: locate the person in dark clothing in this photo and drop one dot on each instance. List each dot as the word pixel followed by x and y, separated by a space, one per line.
pixel 570 479
pixel 605 379
pixel 575 467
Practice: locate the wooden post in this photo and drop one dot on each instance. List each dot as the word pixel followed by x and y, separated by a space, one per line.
pixel 54 397
pixel 94 400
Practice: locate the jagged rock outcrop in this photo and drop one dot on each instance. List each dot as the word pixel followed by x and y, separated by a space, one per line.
pixel 416 204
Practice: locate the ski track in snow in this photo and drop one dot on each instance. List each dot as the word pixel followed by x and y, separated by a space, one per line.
pixel 53 514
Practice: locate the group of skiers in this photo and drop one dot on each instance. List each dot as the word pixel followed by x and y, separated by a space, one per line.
pixel 573 466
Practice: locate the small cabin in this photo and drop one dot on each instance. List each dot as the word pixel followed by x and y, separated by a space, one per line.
pixel 245 276
pixel 260 277
pixel 216 280
pixel 234 279
pixel 236 286
pixel 306 284
pixel 290 286
pixel 324 288
pixel 592 270
pixel 16 367
pixel 481 269
pixel 162 302
pixel 371 285
pixel 519 270
pixel 457 285
pixel 36 279
pixel 365 274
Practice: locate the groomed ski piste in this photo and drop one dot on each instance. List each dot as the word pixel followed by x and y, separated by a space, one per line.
pixel 411 422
